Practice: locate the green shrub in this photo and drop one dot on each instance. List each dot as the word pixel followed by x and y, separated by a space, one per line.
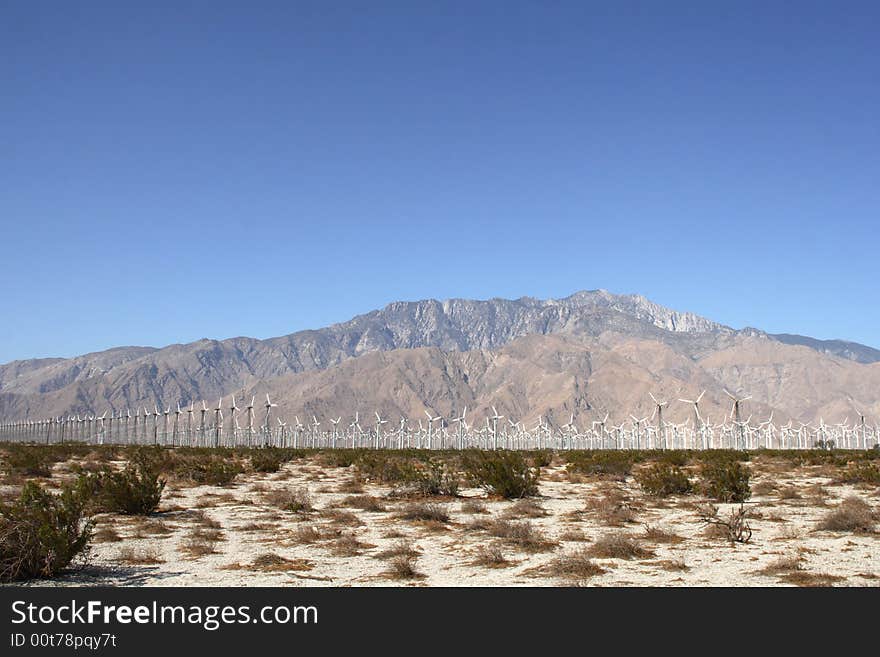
pixel 615 463
pixel 387 467
pixel 28 460
pixel 136 490
pixel 207 470
pixel 726 481
pixel 503 473
pixel 663 479
pixel 42 533
pixel 435 478
pixel 541 458
pixel 862 472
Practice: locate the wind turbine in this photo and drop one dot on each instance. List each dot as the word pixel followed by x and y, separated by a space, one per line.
pixel 250 414
pixel 335 424
pixel 202 424
pixel 431 421
pixel 176 425
pixel 165 425
pixel 460 421
pixel 232 421
pixel 379 423
pixel 698 419
pixel 495 417
pixel 218 422
pixel 269 406
pixel 637 423
pixel 736 415
pixel 658 411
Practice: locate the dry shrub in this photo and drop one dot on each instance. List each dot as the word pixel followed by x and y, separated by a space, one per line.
pixel 365 503
pixel 338 517
pixel 347 545
pixel 297 500
pixel 673 565
pixel 572 536
pixel 140 556
pixel 783 565
pixel 852 515
pixel 271 562
pixel 151 529
pixel 354 485
pixel 425 513
pixel 403 567
pixel 201 519
pixel 491 556
pixel 574 566
pixel 618 546
pixel 764 488
pixel 735 528
pixel 525 508
pixel 106 535
pixel 306 534
pixel 400 548
pixel 788 533
pixel 788 493
pixel 804 578
pixel 257 527
pixel 522 534
pixel 612 507
pixel 659 534
pixel 474 507
pixel 201 542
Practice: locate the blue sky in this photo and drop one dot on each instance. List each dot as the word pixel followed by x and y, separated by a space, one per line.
pixel 178 170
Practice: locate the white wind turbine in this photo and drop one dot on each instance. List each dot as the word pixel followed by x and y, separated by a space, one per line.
pixel 698 419
pixel 379 423
pixel 315 425
pixel 736 415
pixel 250 419
pixel 218 422
pixel 637 423
pixel 460 421
pixel 233 422
pixel 431 421
pixel 658 411
pixel 495 417
pixel 268 406
pixel 335 424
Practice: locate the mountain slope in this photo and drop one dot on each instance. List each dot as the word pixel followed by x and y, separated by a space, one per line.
pixel 130 377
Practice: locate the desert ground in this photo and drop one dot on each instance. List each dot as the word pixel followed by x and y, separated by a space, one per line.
pixel 320 520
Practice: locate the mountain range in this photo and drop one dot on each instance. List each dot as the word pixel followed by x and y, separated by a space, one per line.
pixel 587 354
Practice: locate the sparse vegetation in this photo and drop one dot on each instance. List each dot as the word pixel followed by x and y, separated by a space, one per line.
pixel 852 515
pixel 612 507
pixel 574 566
pixel 618 546
pixel 425 513
pixel 490 556
pixel 735 528
pixel 296 500
pixel 140 556
pixel 522 534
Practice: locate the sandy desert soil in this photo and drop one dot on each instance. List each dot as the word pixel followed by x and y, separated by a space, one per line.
pixel 356 533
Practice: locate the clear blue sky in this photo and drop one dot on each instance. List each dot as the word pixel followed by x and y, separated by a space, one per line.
pixel 178 170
